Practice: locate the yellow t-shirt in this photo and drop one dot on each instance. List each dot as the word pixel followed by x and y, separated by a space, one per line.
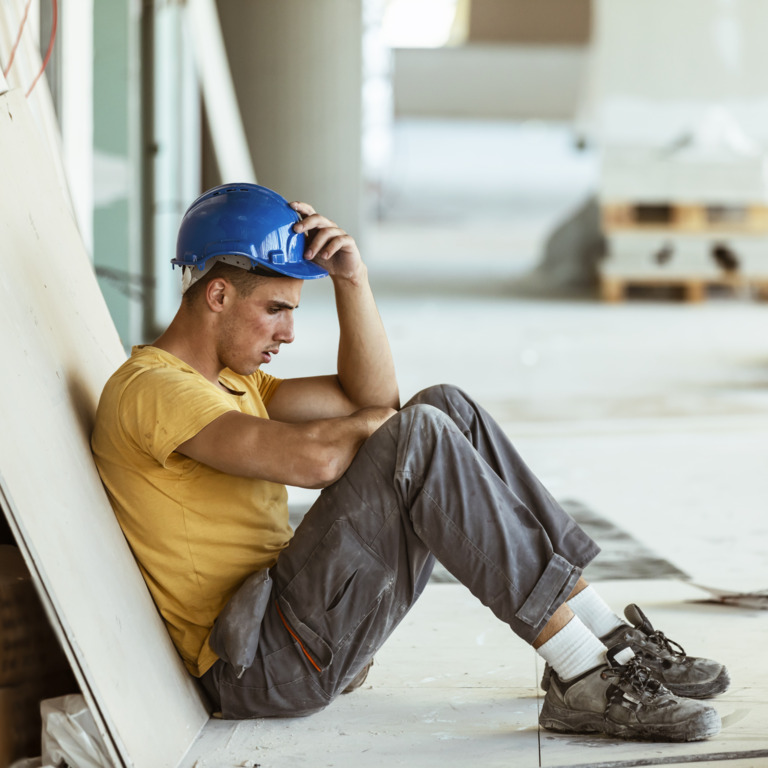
pixel 196 533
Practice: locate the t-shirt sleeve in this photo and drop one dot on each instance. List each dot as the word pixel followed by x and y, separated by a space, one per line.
pixel 161 408
pixel 267 386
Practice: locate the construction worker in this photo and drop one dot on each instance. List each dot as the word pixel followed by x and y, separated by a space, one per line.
pixel 195 444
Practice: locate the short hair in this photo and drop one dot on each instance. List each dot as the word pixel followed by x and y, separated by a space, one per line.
pixel 243 281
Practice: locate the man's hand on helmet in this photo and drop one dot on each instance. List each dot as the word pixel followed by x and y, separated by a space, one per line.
pixel 328 245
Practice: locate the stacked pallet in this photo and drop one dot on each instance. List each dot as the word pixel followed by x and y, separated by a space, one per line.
pixel 685 245
pixel 693 217
pixel 682 121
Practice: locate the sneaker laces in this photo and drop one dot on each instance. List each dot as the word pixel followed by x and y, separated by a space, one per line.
pixel 657 637
pixel 641 623
pixel 639 677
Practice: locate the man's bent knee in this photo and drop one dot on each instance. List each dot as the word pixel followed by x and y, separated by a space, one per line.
pixel 423 418
pixel 440 396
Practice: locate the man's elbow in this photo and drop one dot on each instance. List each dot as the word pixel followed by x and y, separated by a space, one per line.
pixel 325 469
pixel 390 400
pixel 382 400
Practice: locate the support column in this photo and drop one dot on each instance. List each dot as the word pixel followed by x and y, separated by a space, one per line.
pixel 297 69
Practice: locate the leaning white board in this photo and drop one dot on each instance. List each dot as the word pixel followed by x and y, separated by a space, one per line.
pixel 58 345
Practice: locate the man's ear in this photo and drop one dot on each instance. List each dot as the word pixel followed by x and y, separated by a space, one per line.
pixel 217 293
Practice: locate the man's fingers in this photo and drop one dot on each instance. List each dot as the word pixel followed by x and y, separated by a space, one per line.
pixel 305 209
pixel 325 237
pixel 314 221
pixel 327 242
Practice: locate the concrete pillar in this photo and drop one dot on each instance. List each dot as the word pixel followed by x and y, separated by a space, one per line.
pixel 297 69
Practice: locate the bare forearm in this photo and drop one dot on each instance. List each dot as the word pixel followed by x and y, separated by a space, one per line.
pixel 332 444
pixel 365 367
pixel 312 454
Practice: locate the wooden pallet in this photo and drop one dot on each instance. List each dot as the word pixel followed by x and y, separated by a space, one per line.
pixel 685 217
pixel 615 288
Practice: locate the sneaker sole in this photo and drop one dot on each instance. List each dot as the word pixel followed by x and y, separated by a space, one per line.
pixel 703 726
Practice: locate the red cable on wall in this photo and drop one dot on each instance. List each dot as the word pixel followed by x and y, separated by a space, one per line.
pixel 18 39
pixel 54 25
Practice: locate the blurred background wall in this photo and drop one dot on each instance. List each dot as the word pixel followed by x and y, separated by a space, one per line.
pixel 330 91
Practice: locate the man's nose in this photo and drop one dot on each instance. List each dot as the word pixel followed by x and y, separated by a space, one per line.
pixel 285 333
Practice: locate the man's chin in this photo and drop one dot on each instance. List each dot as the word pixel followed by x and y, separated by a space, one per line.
pixel 243 370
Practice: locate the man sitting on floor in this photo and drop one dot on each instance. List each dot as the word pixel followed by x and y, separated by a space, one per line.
pixel 195 444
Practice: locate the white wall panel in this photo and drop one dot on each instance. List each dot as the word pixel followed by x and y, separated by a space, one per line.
pixel 661 66
pixel 58 346
pixel 545 82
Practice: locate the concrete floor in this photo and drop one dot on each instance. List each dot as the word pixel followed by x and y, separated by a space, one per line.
pixel 652 414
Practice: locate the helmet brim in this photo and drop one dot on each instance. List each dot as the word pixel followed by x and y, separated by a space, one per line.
pixel 301 270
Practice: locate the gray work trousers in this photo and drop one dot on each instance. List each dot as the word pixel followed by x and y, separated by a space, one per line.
pixel 438 480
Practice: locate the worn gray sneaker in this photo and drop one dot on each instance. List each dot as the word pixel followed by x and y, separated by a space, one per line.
pixel 684 675
pixel 624 700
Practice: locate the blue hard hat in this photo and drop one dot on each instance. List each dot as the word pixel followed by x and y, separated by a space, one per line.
pixel 244 220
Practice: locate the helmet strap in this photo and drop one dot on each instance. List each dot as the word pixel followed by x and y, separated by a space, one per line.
pixel 191 274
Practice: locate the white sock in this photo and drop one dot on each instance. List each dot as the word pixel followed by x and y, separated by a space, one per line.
pixel 594 612
pixel 573 650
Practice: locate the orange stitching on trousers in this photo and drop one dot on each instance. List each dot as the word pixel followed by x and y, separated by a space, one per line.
pixel 293 635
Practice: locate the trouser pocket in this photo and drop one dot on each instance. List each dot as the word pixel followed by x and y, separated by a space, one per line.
pixel 279 684
pixel 340 584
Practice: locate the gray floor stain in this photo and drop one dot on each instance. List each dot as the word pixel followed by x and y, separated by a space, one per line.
pixel 622 557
